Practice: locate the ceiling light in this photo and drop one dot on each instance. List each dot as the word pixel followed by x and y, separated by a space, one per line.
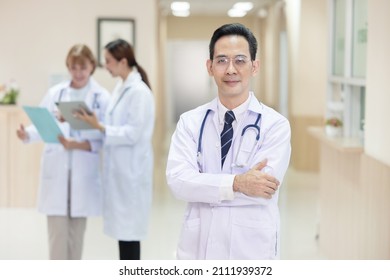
pixel 236 13
pixel 185 13
pixel 180 6
pixel 245 6
pixel 180 9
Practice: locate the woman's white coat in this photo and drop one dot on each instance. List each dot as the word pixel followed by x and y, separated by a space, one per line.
pixel 85 192
pixel 128 160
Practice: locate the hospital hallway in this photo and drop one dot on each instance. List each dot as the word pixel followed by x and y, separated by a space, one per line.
pixel 23 234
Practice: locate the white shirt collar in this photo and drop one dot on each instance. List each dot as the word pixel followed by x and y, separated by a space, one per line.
pixel 238 111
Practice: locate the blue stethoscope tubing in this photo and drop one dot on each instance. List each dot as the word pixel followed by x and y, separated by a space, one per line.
pixel 256 126
pixel 199 153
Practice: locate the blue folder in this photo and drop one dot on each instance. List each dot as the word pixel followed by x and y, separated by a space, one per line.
pixel 44 122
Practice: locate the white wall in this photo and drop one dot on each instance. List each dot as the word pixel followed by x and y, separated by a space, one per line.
pixel 188 82
pixel 36 36
pixel 377 122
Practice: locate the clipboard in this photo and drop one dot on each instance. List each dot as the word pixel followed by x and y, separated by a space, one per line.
pixel 68 109
pixel 44 122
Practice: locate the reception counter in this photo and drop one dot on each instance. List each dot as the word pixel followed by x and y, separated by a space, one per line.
pixel 19 163
pixel 354 200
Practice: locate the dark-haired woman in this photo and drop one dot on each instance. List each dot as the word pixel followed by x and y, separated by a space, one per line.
pixel 128 152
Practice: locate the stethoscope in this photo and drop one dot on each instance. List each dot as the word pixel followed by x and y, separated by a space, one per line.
pixel 118 100
pixel 95 102
pixel 237 162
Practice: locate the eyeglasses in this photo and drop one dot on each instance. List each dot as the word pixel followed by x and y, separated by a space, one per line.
pixel 239 61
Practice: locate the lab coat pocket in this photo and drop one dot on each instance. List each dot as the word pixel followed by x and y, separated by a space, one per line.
pixel 49 166
pixel 189 240
pixel 251 239
pixel 247 148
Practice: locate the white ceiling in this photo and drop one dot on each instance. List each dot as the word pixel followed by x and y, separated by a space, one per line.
pixel 213 7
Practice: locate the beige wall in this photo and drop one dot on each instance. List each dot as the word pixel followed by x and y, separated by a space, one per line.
pixel 199 27
pixel 309 53
pixel 271 27
pixel 36 36
pixel 377 132
pixel 307 29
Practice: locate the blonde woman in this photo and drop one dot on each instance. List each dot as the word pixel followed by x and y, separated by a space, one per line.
pixel 70 187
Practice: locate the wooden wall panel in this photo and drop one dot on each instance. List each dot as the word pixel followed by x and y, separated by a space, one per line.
pixel 354 201
pixel 305 149
pixel 20 164
pixel 375 177
pixel 339 187
pixel 3 157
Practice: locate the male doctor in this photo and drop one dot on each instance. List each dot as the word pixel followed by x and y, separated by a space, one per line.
pixel 227 159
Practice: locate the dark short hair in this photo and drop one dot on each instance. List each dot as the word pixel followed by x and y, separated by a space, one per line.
pixel 234 29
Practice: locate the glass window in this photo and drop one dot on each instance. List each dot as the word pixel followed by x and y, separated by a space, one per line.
pixel 346 85
pixel 357 110
pixel 359 43
pixel 339 38
pixel 338 93
pixel 362 107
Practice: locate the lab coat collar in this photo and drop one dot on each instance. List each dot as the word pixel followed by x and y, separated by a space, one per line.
pixel 93 88
pixel 91 82
pixel 254 104
pixel 133 77
pixel 239 111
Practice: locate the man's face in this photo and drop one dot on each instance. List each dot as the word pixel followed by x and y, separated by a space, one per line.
pixel 232 67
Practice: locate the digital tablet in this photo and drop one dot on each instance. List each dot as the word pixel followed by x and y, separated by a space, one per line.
pixel 68 110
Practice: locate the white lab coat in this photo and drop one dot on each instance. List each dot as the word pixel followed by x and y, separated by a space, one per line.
pixel 85 192
pixel 128 160
pixel 242 227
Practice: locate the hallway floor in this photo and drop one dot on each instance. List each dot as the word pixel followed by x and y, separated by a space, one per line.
pixel 23 231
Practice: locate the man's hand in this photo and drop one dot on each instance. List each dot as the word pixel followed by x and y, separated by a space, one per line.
pixel 256 183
